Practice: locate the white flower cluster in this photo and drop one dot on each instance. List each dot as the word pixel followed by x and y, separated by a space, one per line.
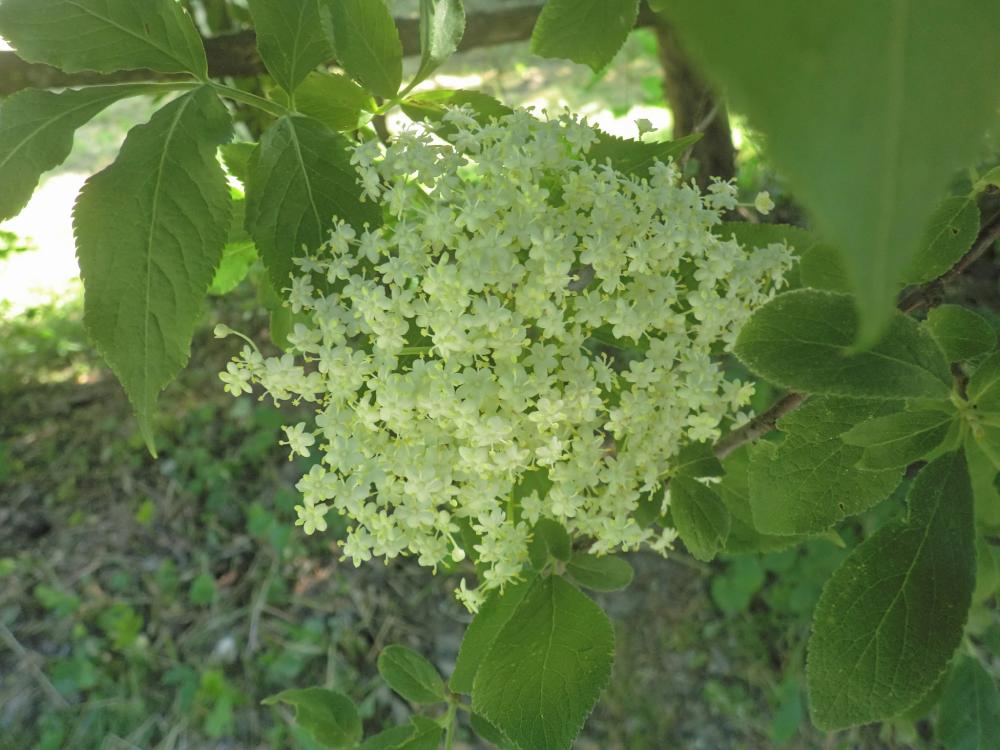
pixel 530 335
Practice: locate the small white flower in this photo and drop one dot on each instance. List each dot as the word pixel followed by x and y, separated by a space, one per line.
pixel 298 441
pixel 763 203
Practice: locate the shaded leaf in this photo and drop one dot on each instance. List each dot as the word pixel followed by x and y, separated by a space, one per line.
pixel 291 39
pixel 332 99
pixel 600 573
pixel 700 517
pixel 329 716
pixel 546 668
pixel 802 341
pixel 891 617
pixel 585 31
pixel 901 92
pixel 410 675
pixel 104 35
pixel 961 333
pixel 442 24
pixel 367 43
pixel 969 713
pixel 697 460
pixel 950 233
pixel 897 440
pixel 36 134
pixel 299 179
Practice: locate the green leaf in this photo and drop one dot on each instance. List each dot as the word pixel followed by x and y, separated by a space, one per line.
pixel 150 230
pixel 636 157
pixel 697 460
pixel 291 39
pixel 585 31
pixel 430 106
pixel 233 268
pixel 329 716
pixel 985 479
pixel 600 573
pixel 969 712
pixel 482 631
pixel 961 333
pixel 734 491
pixel 733 589
pixel 897 440
pixel 489 732
pixel 557 541
pixel 104 35
pixel 810 481
pixel 821 267
pixel 389 739
pixel 901 92
pixel 987 570
pixel 426 736
pixel 442 24
pixel 802 341
pixel 950 233
pixel 984 385
pixel 700 517
pixel 236 157
pixel 546 668
pixel 300 178
pixel 410 675
pixel 367 43
pixel 891 617
pixel 36 134
pixel 332 99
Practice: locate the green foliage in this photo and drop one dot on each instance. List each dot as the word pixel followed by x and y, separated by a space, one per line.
pixel 950 233
pixel 918 77
pixel 897 440
pixel 332 99
pixel 585 31
pixel 700 517
pixel 546 667
pixel 636 157
pixel 697 460
pixel 410 675
pixel 810 481
pixel 984 385
pixel 299 178
pixel 969 716
pixel 961 333
pixel 892 615
pixel 733 589
pixel 492 617
pixel 104 35
pixel 803 341
pixel 330 717
pixel 291 39
pixel 549 538
pixel 36 134
pixel 146 279
pixel 600 573
pixel 367 43
pixel 442 24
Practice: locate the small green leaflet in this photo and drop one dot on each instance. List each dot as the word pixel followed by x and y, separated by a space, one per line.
pixel 961 333
pixel 236 157
pixel 145 277
pixel 482 631
pixel 585 31
pixel 549 538
pixel 367 43
pixel 697 460
pixel 329 716
pixel 389 739
pixel 546 668
pixel 902 92
pixel 300 178
pixel 442 24
pixel 984 385
pixel 950 233
pixel 36 134
pixel 891 617
pixel 104 35
pixel 985 485
pixel 700 517
pixel 810 481
pixel 427 734
pixel 291 39
pixel 987 569
pixel 969 712
pixel 332 99
pixel 636 157
pixel 410 675
pixel 802 341
pixel 734 490
pixel 897 440
pixel 604 573
pixel 733 589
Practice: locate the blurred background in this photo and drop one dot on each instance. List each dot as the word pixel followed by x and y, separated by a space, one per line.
pixel 153 604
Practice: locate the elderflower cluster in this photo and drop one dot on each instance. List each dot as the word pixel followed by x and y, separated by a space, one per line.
pixel 530 335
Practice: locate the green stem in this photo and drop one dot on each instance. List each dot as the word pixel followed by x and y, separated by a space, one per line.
pixel 259 102
pixel 449 732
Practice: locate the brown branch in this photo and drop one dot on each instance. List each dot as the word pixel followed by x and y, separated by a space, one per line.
pixel 913 300
pixel 236 56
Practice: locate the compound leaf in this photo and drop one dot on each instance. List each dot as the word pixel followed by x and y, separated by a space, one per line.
pixel 367 44
pixel 291 39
